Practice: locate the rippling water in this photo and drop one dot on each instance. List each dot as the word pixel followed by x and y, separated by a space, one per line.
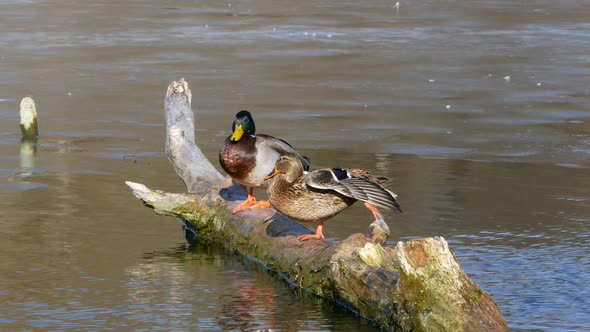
pixel 477 111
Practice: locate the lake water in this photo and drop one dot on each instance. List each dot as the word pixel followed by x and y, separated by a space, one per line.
pixel 478 112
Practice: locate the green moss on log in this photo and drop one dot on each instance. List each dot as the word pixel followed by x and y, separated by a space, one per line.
pixel 417 300
pixel 203 218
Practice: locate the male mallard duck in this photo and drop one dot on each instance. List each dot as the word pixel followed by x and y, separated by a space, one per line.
pixel 248 157
pixel 319 195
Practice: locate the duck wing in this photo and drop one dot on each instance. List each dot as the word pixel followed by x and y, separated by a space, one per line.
pixel 282 147
pixel 362 189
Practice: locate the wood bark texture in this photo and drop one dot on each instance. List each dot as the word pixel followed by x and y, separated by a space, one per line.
pixel 416 286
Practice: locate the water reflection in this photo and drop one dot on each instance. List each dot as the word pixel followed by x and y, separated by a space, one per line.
pixel 28 153
pixel 224 294
pixel 244 309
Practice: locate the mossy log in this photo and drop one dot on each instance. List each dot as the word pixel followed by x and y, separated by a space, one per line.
pixel 418 285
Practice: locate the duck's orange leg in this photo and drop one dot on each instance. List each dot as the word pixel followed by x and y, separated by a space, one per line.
pixel 251 203
pixel 260 205
pixel 317 236
pixel 251 200
pixel 376 213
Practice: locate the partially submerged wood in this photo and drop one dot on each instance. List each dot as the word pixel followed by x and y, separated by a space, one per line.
pixel 29 131
pixel 28 119
pixel 418 285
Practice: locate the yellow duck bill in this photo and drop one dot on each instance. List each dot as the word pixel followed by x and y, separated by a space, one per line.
pixel 271 174
pixel 237 134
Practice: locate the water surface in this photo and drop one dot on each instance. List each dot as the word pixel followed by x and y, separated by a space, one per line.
pixel 476 110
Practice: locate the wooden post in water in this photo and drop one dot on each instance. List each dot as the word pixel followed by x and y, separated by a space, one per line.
pixel 28 119
pixel 416 286
pixel 30 132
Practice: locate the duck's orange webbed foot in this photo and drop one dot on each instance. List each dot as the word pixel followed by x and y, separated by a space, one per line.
pixel 260 205
pixel 250 201
pixel 317 236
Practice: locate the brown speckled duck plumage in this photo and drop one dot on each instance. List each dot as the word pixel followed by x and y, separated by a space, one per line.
pixel 319 195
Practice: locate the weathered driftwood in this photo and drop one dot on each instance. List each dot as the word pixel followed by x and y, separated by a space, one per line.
pixel 28 119
pixel 418 285
pixel 30 132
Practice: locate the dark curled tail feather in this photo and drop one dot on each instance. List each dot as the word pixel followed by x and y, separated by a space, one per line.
pixel 306 166
pixel 340 173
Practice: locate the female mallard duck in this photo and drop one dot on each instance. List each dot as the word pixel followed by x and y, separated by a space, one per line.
pixel 319 195
pixel 248 157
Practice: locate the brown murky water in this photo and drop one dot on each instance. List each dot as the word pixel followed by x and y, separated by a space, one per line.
pixel 477 110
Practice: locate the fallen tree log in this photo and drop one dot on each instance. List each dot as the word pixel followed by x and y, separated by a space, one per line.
pixel 418 285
